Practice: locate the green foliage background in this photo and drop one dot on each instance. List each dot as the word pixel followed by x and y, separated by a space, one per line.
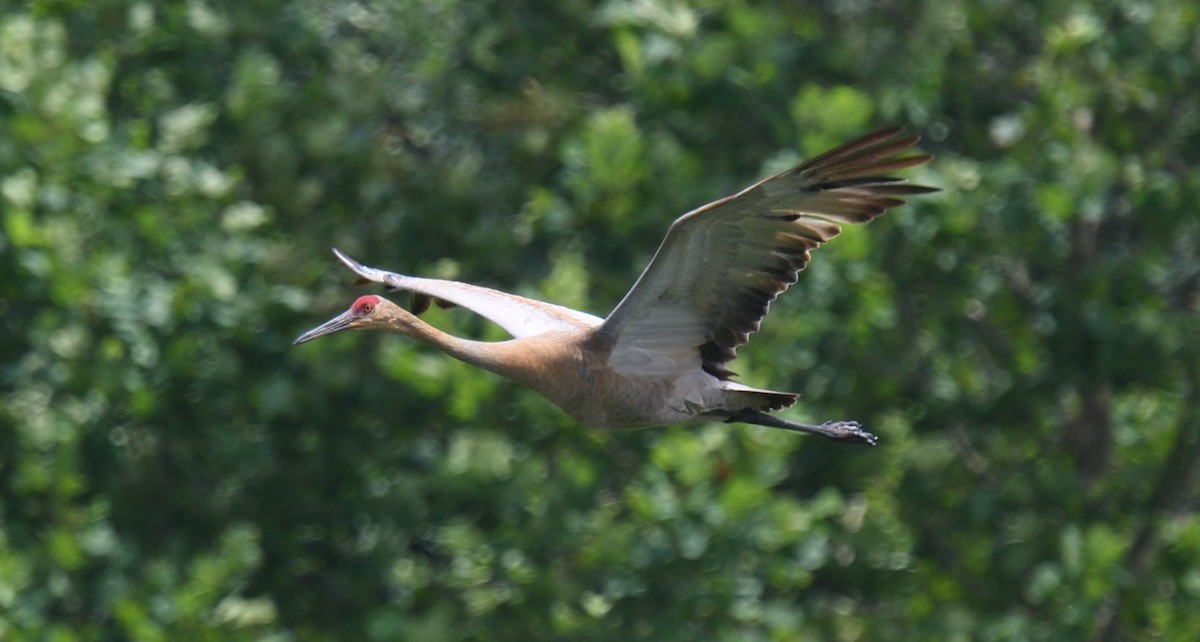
pixel 1025 342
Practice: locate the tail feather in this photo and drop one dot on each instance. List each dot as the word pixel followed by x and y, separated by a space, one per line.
pixel 747 398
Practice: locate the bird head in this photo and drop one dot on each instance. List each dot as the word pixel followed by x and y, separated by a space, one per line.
pixel 367 312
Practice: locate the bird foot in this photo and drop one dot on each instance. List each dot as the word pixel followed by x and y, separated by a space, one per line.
pixel 846 431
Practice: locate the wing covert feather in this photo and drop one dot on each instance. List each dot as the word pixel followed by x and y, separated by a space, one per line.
pixel 720 266
pixel 519 316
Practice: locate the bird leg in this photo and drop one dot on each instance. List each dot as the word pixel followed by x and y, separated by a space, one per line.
pixel 836 430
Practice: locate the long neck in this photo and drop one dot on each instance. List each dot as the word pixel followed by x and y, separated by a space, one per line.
pixel 501 357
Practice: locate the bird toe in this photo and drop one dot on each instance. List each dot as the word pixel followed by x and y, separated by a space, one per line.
pixel 850 431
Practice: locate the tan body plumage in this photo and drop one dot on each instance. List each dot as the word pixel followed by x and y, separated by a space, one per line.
pixel 660 357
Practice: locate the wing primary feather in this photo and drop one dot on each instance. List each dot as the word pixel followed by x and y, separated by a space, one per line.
pixel 856 145
pixel 880 150
pixel 857 168
pixel 722 265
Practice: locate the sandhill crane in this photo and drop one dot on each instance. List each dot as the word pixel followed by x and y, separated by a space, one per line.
pixel 660 356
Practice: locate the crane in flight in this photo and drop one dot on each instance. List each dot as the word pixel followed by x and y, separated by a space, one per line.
pixel 660 357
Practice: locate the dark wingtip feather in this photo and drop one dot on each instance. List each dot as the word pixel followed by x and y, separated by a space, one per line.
pixel 903 189
pixel 878 143
pixel 420 303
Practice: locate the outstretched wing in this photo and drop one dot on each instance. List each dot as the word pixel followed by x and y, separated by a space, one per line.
pixel 517 315
pixel 713 278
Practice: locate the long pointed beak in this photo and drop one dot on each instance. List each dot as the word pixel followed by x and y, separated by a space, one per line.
pixel 343 321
